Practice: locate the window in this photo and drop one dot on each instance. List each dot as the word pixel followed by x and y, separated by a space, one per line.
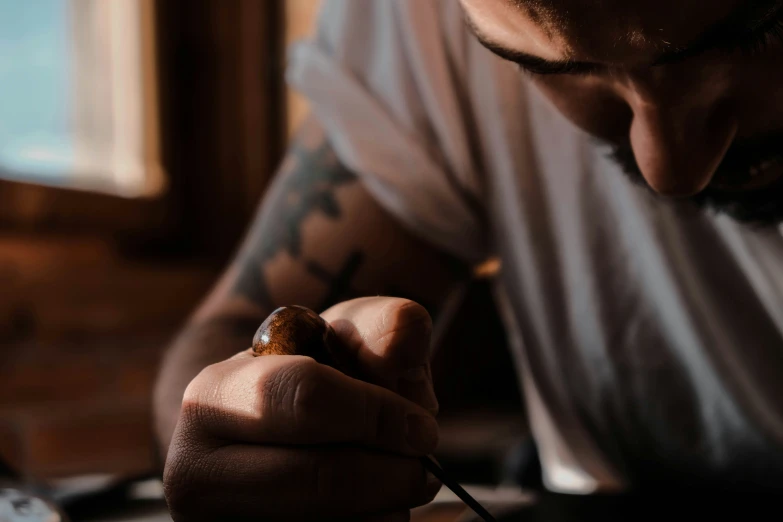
pixel 78 95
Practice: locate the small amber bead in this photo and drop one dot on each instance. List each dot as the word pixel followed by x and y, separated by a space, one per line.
pixel 295 330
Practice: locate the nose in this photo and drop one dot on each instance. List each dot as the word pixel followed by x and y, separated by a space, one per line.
pixel 678 145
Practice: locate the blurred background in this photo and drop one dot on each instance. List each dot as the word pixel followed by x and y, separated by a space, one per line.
pixel 136 138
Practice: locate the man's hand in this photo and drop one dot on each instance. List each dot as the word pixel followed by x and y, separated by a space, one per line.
pixel 286 438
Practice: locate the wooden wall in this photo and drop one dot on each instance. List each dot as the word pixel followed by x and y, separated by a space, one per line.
pixel 81 332
pixel 92 288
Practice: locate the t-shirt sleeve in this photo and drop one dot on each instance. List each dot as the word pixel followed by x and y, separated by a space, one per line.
pixel 381 79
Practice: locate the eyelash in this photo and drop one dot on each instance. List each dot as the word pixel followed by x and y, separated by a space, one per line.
pixel 750 44
pixel 564 70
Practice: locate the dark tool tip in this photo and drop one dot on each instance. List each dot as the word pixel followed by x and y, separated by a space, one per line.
pixel 458 490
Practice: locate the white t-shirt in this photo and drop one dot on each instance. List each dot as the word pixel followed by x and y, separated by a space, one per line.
pixel 649 336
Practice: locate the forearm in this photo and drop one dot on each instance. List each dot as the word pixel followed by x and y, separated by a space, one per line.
pixel 318 239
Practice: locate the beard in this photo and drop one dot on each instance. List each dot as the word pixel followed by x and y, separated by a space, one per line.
pixel 762 207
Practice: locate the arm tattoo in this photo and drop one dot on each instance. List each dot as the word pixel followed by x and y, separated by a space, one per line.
pixel 307 188
pixel 340 283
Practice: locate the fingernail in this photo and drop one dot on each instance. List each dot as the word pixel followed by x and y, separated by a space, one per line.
pixel 422 433
pixel 416 385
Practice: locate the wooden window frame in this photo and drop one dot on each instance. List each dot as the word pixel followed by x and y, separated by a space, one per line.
pixel 222 127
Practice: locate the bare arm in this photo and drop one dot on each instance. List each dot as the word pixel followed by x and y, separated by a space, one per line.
pixel 318 239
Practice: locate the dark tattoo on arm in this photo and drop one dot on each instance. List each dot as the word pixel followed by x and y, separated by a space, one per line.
pixel 307 188
pixel 340 283
pixel 311 175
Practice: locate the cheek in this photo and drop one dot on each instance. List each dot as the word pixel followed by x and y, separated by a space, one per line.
pixel 590 103
pixel 760 96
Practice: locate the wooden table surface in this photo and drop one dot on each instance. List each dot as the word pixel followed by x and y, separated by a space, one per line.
pixel 159 513
pixel 445 508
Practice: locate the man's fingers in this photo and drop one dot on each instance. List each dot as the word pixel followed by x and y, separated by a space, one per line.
pixel 275 483
pixel 294 400
pixel 389 338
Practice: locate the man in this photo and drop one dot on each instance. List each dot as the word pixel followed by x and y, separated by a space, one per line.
pixel 646 309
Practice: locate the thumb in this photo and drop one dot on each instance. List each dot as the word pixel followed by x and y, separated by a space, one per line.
pixel 389 340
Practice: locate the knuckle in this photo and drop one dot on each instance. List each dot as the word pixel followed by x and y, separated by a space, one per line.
pixel 294 391
pixel 406 316
pixel 204 381
pixel 176 491
pixel 197 407
pixel 311 394
pixel 411 312
pixel 402 318
pixel 181 483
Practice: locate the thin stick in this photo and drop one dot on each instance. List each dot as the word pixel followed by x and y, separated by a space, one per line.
pixel 471 502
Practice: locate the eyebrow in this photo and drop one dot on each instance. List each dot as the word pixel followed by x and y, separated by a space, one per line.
pixel 744 22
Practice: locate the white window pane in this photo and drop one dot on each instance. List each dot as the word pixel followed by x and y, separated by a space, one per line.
pixel 78 105
pixel 34 87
